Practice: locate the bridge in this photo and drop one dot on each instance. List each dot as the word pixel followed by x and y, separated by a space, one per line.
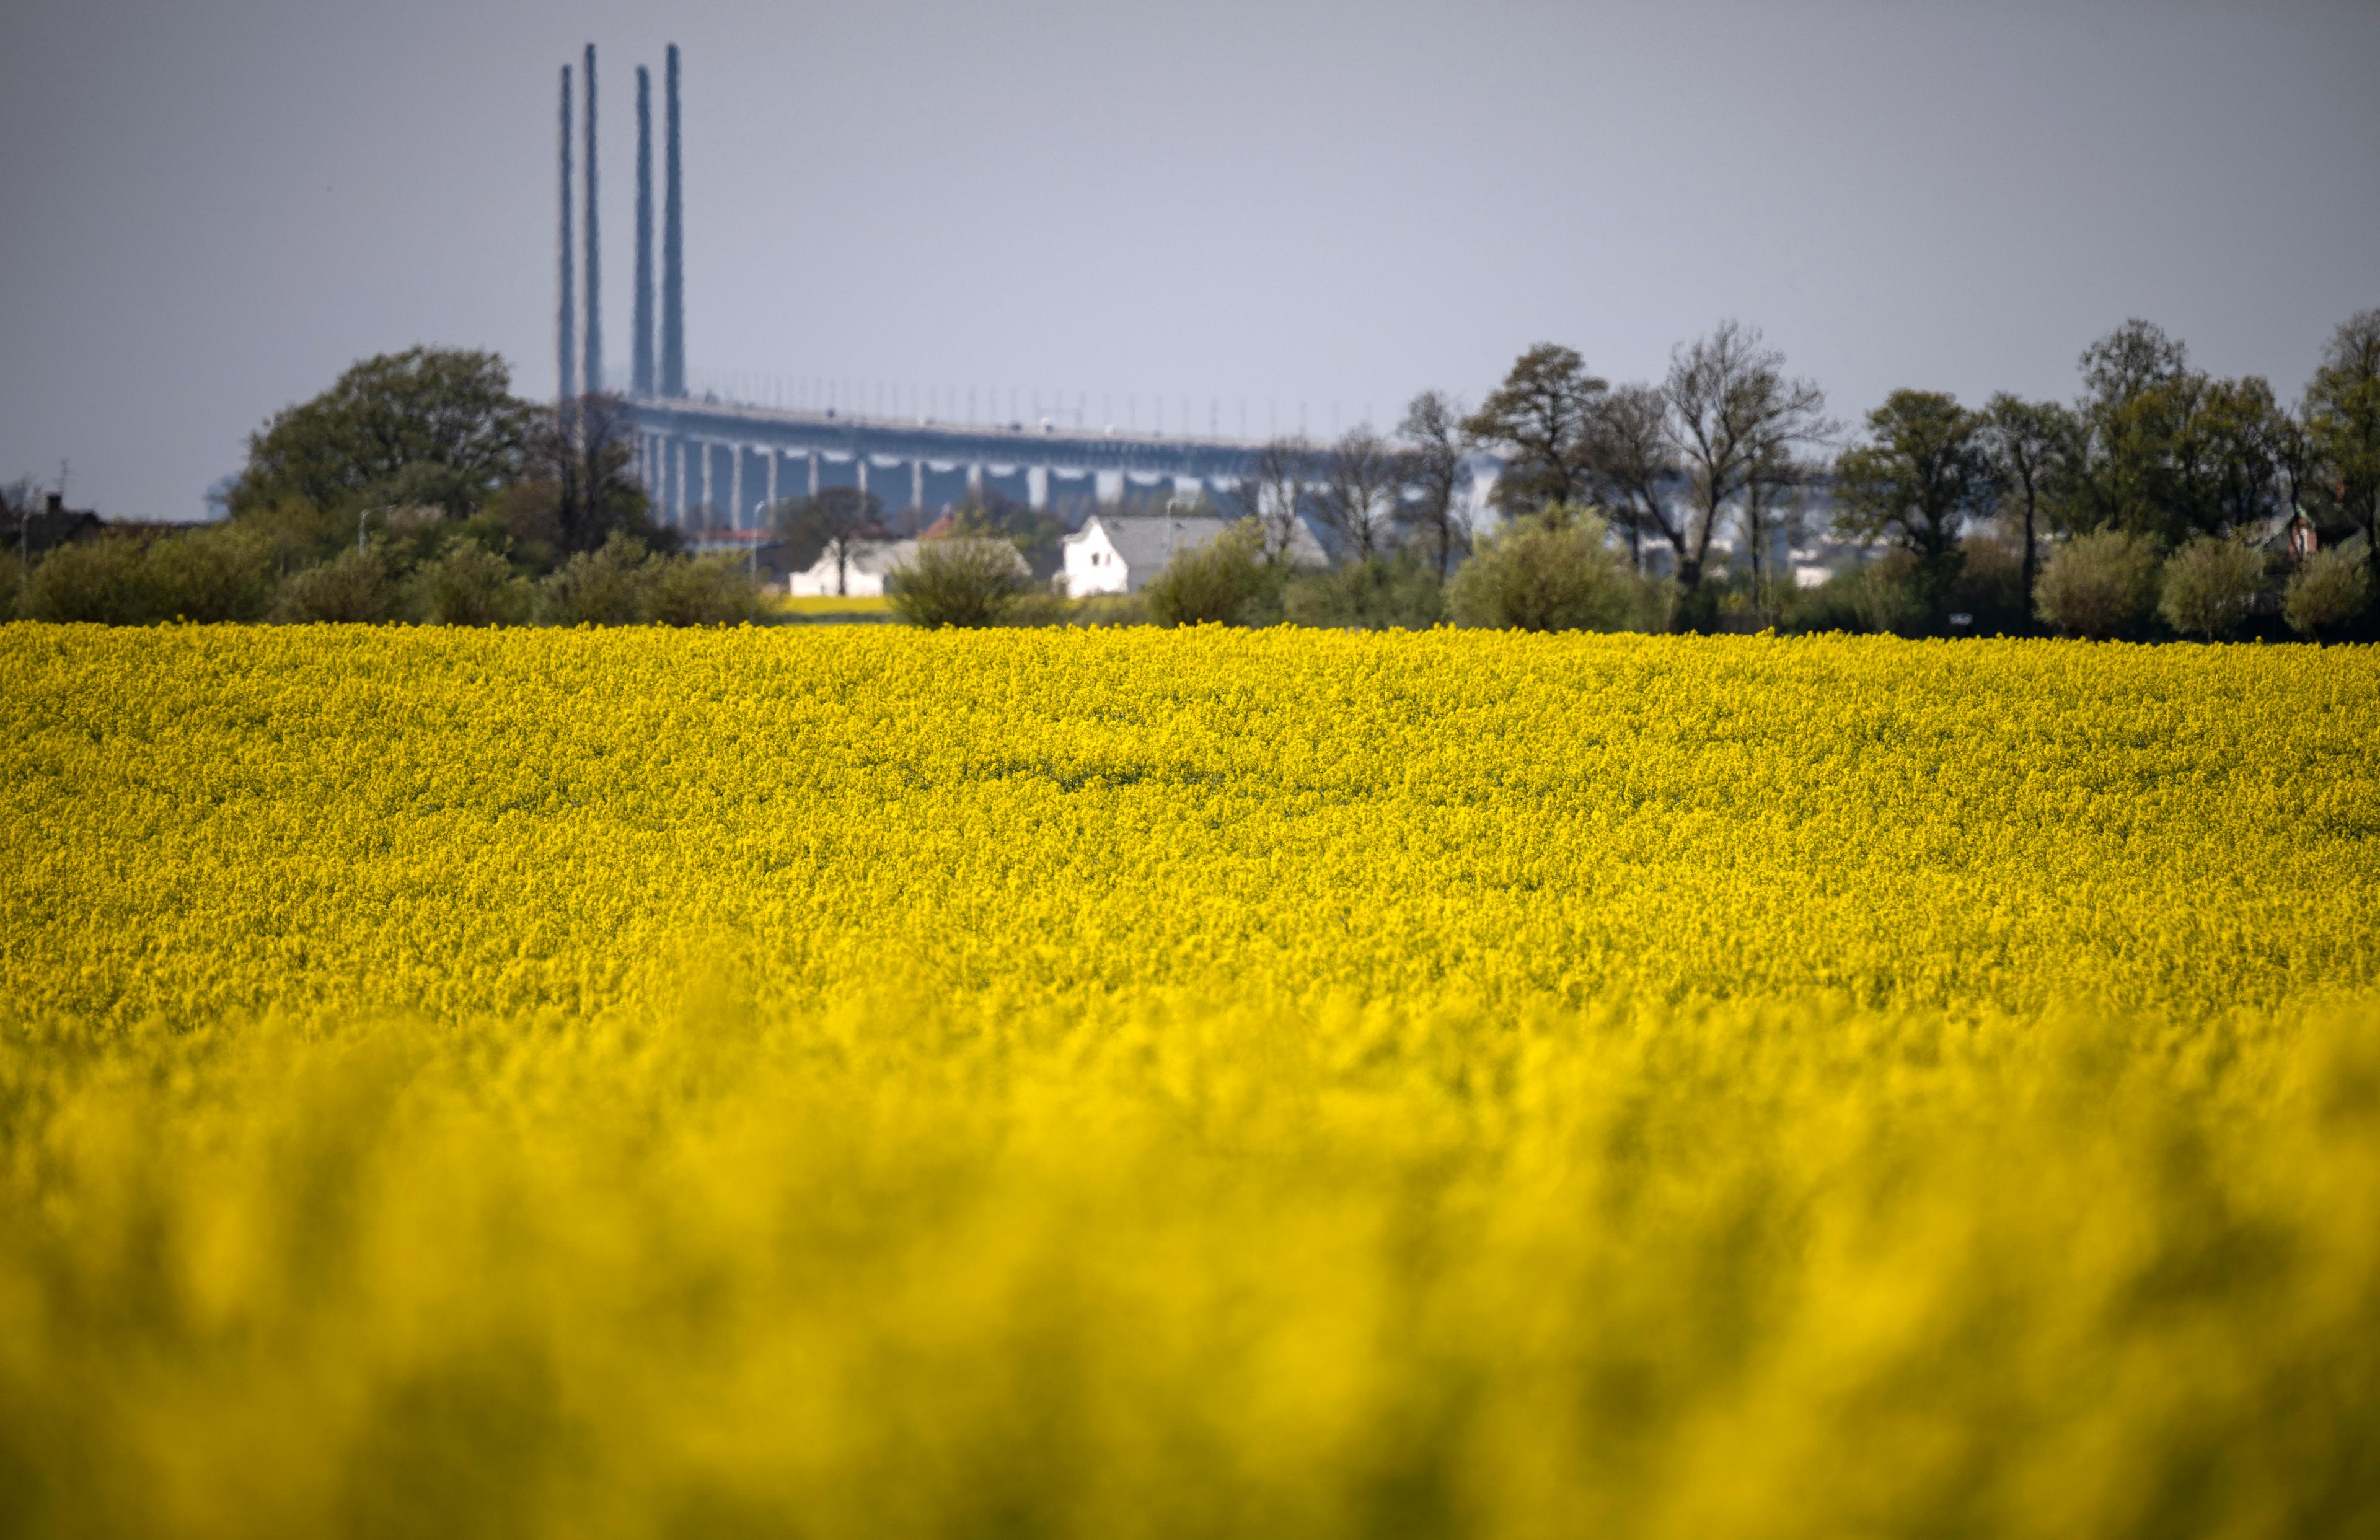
pixel 720 463
pixel 731 460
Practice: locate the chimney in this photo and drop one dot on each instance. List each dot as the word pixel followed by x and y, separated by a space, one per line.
pixel 642 378
pixel 565 314
pixel 594 247
pixel 673 250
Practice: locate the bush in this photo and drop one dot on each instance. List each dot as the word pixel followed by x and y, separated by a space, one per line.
pixel 104 581
pixel 708 590
pixel 353 588
pixel 1385 593
pixel 1990 587
pixel 1543 573
pixel 1890 594
pixel 470 585
pixel 1833 605
pixel 2209 585
pixel 1224 582
pixel 2099 584
pixel 214 575
pixel 959 580
pixel 2326 593
pixel 12 584
pixel 605 587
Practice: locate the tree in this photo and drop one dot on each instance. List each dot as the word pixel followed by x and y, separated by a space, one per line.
pixel 1633 466
pixel 1539 418
pixel 581 461
pixel 837 519
pixel 1918 481
pixel 2033 446
pixel 445 419
pixel 1733 418
pixel 2208 586
pixel 2343 420
pixel 1363 481
pixel 1433 425
pixel 1268 493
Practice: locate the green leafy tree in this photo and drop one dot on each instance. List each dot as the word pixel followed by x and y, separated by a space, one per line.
pixel 2034 448
pixel 1539 418
pixel 707 590
pixel 1920 478
pixel 2342 411
pixel 437 425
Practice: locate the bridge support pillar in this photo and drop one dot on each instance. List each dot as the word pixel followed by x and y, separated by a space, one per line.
pixel 709 508
pixel 1036 487
pixel 974 481
pixel 773 457
pixel 736 486
pixel 917 483
pixel 860 467
pixel 677 490
pixel 814 490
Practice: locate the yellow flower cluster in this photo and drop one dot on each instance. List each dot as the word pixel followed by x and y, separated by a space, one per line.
pixel 873 1082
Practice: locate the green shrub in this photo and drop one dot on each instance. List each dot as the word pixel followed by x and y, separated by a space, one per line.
pixel 1990 588
pixel 2099 584
pixel 106 581
pixel 2209 586
pixel 707 590
pixel 1385 593
pixel 605 586
pixel 1890 594
pixel 469 585
pixel 1543 572
pixel 2326 594
pixel 215 573
pixel 959 580
pixel 12 584
pixel 1833 605
pixel 353 588
pixel 1224 582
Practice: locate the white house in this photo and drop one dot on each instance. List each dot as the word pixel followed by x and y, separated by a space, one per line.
pixel 863 573
pixel 1119 555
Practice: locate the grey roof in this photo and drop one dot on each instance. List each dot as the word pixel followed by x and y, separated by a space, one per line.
pixel 1151 541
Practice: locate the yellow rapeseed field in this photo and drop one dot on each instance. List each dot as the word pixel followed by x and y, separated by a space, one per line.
pixel 835 1082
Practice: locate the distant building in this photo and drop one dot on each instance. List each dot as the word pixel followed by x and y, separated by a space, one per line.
pixel 34 532
pixel 1114 553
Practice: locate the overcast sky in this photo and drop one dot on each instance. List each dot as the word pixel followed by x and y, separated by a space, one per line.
pixel 210 209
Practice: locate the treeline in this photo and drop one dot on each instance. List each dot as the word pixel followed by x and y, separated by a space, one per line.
pixel 417 488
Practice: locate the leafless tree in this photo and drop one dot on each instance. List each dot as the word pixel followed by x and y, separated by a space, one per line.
pixel 1268 492
pixel 586 447
pixel 1362 483
pixel 1433 425
pixel 1635 469
pixel 842 518
pixel 1733 418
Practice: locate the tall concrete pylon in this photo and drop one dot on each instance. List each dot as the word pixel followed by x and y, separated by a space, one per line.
pixel 594 247
pixel 641 377
pixel 673 250
pixel 565 318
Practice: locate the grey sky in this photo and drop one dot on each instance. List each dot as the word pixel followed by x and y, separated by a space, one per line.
pixel 211 208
